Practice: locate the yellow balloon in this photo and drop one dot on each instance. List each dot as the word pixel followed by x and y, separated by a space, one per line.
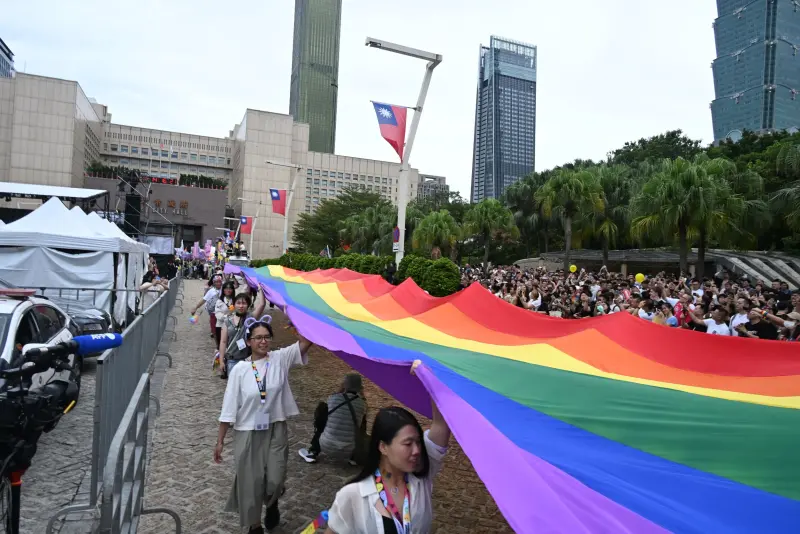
pixel 640 278
pixel 573 268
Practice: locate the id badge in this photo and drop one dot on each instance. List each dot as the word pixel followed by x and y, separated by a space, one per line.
pixel 241 344
pixel 262 420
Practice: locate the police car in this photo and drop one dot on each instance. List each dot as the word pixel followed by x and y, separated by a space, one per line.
pixel 28 322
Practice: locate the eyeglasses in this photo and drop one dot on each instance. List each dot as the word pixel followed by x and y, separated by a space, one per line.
pixel 259 339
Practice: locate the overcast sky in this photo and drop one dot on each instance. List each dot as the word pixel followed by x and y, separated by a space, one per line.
pixel 608 72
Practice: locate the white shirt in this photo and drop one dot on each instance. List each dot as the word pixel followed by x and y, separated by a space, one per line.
pixel 645 315
pixel 716 329
pixel 242 399
pixel 354 512
pixel 210 299
pixel 736 320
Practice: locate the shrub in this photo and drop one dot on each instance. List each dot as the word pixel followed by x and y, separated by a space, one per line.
pixel 417 268
pixel 442 278
pixel 400 275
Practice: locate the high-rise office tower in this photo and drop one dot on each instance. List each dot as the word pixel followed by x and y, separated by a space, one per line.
pixel 757 70
pixel 6 60
pixel 315 70
pixel 505 117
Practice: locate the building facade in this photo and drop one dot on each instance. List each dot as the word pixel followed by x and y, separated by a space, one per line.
pixel 505 117
pixel 6 60
pixel 431 186
pixel 49 131
pixel 757 69
pixel 315 70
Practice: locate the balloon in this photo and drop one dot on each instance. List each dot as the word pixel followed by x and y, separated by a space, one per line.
pixel 573 268
pixel 640 278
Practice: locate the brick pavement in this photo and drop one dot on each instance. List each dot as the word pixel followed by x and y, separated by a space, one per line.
pixel 183 476
pixel 59 474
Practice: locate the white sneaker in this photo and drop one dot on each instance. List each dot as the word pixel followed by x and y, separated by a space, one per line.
pixel 307 456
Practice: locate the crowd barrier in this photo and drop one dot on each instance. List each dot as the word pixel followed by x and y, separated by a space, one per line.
pixel 124 472
pixel 116 382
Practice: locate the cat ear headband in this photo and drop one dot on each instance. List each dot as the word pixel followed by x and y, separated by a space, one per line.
pixel 251 322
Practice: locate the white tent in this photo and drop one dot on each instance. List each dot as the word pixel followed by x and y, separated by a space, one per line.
pixel 48 239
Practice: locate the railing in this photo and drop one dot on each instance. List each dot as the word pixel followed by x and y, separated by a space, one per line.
pixel 124 472
pixel 117 379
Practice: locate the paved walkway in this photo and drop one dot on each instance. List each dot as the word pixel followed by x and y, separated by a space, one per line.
pixel 182 474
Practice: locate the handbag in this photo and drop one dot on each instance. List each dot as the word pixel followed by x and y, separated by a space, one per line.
pixel 361 450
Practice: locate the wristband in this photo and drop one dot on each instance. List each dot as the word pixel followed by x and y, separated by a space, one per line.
pixel 764 314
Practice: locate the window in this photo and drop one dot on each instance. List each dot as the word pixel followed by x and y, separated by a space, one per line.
pixel 174 155
pixel 383 180
pixel 369 178
pixel 362 177
pixel 164 154
pixel 165 165
pixel 113 148
pixel 324 173
pixel 316 172
pixel 134 150
pixel 123 148
pixel 346 176
pixel 192 157
pixel 123 161
pixel 229 161
pixel 316 181
pixel 202 158
pixel 184 156
pixel 212 160
pixel 323 192
pixel 325 182
pixel 144 151
pixel 105 146
pixel 50 321
pixel 316 190
pixel 333 184
pixel 383 189
pixel 340 175
pixel 309 172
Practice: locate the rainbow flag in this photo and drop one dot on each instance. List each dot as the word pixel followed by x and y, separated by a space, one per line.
pixel 610 424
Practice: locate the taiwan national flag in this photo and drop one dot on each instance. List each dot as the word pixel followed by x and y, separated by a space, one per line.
pixel 278 201
pixel 392 120
pixel 246 225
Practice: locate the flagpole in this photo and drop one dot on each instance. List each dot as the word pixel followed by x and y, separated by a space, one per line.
pixel 286 215
pixel 253 231
pixel 433 61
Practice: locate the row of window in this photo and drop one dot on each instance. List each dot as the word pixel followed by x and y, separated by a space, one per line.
pixel 170 142
pixel 346 176
pixel 154 152
pixel 164 165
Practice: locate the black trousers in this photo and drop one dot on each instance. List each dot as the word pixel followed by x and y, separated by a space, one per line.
pixel 320 421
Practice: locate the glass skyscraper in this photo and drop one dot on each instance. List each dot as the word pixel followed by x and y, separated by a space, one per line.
pixel 505 117
pixel 315 70
pixel 757 70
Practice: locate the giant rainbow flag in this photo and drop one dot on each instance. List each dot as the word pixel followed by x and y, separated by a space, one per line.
pixel 610 424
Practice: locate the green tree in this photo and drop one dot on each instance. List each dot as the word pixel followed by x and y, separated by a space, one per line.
pixel 568 196
pixel 528 214
pixel 370 231
pixel 489 220
pixel 669 145
pixel 313 231
pixel 438 230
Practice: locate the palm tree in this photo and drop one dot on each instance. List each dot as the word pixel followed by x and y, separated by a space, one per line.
pixel 567 195
pixel 371 230
pixel 528 216
pixel 486 220
pixel 438 230
pixel 612 221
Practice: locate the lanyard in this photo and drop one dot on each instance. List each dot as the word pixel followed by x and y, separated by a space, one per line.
pixel 262 384
pixel 403 527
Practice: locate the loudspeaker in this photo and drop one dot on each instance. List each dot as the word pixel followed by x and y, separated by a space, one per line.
pixel 133 210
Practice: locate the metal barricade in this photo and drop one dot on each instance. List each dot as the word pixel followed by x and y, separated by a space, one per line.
pixel 117 375
pixel 124 472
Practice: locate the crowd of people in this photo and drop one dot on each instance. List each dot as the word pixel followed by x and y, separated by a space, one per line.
pixel 722 304
pixel 397 458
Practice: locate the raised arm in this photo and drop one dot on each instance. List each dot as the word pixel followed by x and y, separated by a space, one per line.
pixel 260 303
pixel 304 344
pixel 439 433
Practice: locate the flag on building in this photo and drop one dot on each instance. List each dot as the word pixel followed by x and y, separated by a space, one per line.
pixel 246 226
pixel 392 121
pixel 278 197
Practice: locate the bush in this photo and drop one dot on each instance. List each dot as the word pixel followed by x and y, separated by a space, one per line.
pixel 400 275
pixel 262 263
pixel 417 268
pixel 442 278
pixel 361 263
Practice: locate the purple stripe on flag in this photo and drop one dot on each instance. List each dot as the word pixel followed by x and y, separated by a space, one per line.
pixel 537 497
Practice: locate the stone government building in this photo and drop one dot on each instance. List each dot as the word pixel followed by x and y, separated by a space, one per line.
pixel 51 132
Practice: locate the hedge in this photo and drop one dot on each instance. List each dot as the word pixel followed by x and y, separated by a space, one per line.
pixel 439 278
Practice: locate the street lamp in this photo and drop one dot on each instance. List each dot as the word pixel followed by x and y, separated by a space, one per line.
pixel 433 61
pixel 297 169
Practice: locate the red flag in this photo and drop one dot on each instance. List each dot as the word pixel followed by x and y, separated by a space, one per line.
pixel 278 201
pixel 392 121
pixel 246 226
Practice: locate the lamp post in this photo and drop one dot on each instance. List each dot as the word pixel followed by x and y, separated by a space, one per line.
pixel 433 61
pixel 297 169
pixel 255 220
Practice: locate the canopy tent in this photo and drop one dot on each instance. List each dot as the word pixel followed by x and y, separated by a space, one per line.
pixel 42 238
pixel 605 424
